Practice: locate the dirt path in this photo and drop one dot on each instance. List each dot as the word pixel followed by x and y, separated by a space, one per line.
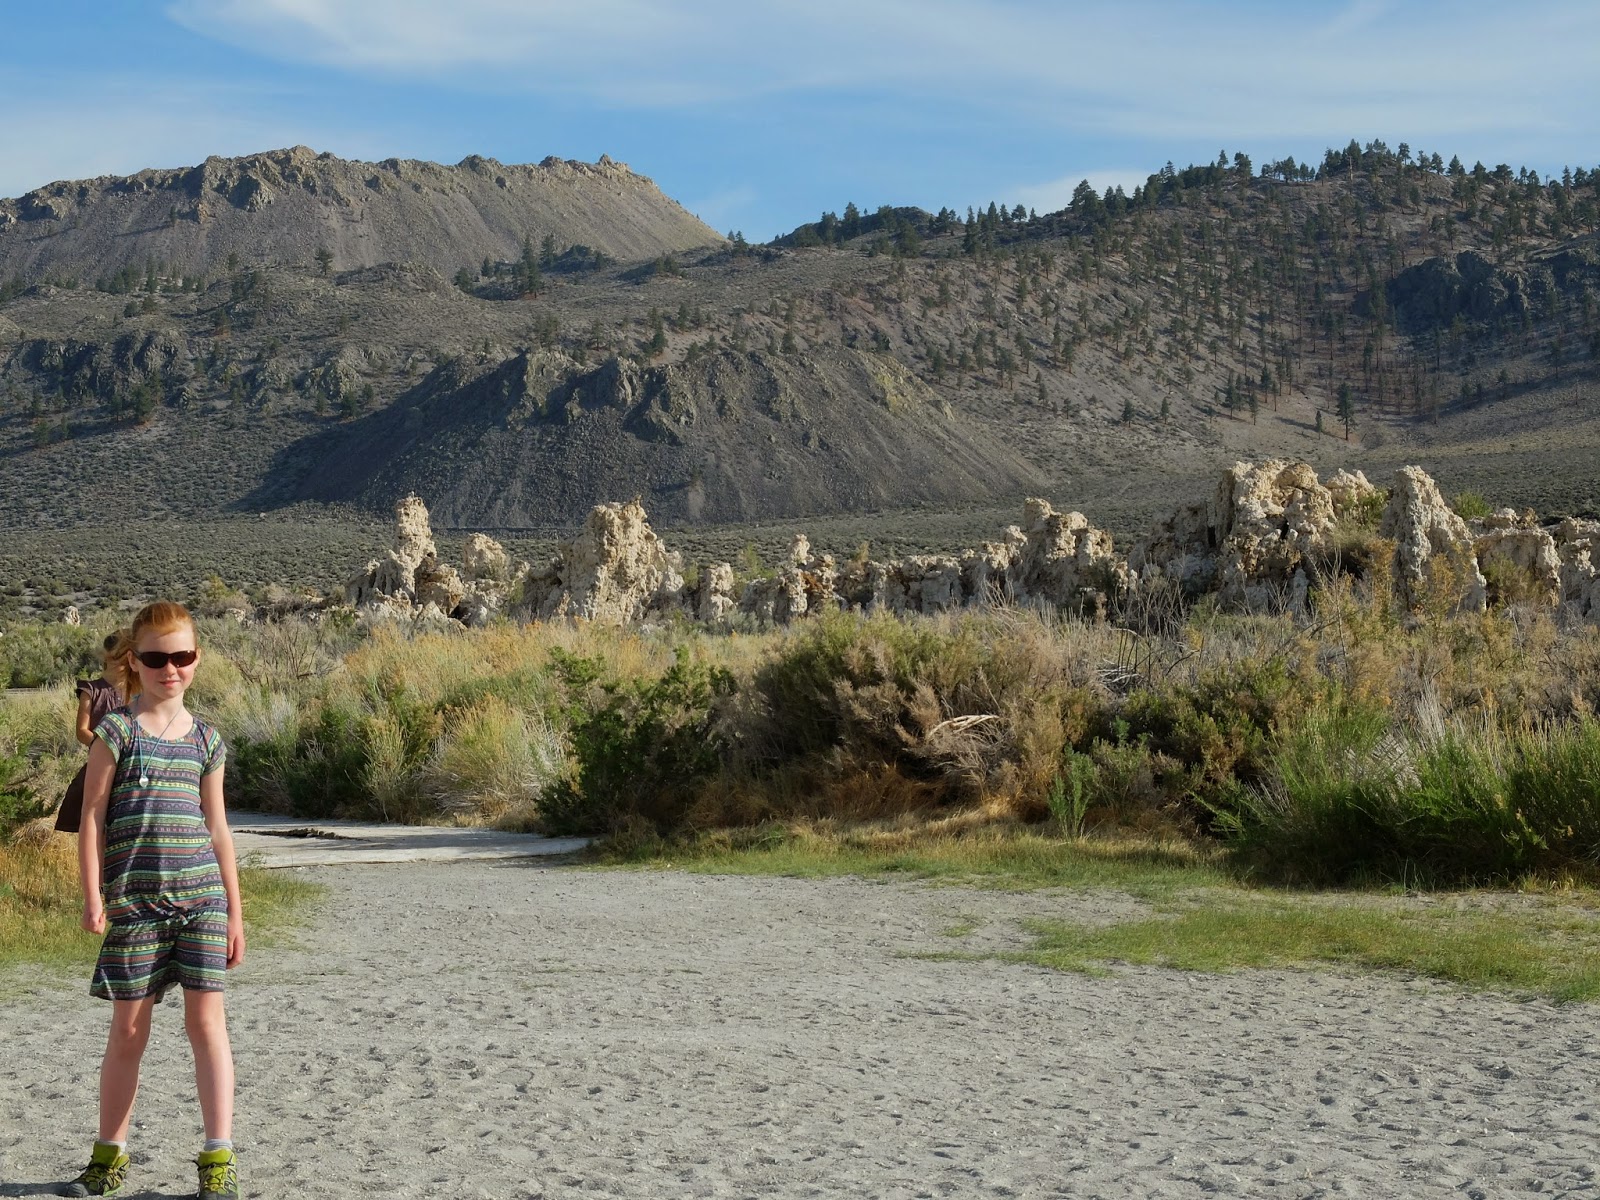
pixel 517 1030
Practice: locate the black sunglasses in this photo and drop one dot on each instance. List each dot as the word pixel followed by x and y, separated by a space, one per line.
pixel 156 659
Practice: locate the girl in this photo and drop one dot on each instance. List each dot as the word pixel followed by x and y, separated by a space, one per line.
pixel 159 880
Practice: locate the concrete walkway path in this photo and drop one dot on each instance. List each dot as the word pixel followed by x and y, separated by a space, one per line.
pixel 265 840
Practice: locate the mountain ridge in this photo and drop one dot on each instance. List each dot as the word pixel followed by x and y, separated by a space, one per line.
pixel 286 206
pixel 1122 348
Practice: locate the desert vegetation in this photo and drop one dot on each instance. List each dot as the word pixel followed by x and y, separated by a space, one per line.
pixel 1213 764
pixel 1354 743
pixel 40 902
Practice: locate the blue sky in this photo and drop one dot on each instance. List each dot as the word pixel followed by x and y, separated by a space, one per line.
pixel 758 114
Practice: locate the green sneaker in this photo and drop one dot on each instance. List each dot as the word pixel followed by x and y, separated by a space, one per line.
pixel 219 1178
pixel 108 1167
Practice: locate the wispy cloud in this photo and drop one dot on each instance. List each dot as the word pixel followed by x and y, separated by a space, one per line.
pixel 1354 17
pixel 117 126
pixel 1053 194
pixel 1142 68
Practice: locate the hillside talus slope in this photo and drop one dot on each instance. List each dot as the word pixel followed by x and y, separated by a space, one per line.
pixel 284 205
pixel 728 437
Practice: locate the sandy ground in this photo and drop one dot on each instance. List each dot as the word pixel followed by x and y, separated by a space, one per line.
pixel 517 1030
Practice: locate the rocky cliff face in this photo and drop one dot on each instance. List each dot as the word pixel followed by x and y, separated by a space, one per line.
pixel 285 205
pixel 1439 291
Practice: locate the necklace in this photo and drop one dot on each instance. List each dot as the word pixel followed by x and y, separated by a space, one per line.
pixel 144 775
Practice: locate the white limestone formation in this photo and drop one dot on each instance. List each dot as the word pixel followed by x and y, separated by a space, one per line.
pixel 1257 543
pixel 615 572
pixel 1433 556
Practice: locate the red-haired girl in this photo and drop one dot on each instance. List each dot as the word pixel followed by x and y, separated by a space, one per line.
pixel 160 881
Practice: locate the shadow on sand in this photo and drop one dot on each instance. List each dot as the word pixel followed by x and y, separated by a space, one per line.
pixel 54 1189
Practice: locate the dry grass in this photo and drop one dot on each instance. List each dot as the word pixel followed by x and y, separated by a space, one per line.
pixel 1550 949
pixel 860 719
pixel 1544 941
pixel 41 903
pixel 972 848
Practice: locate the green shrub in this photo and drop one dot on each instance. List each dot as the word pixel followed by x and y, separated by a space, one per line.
pixel 1351 799
pixel 1071 792
pixel 854 681
pixel 36 655
pixel 1470 506
pixel 641 747
pixel 1367 512
pixel 19 802
pixel 309 767
pixel 1222 724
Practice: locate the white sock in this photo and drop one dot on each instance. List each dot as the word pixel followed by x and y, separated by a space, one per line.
pixel 216 1144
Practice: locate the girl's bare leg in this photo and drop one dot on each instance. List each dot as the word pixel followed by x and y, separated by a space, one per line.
pixel 119 1070
pixel 207 1025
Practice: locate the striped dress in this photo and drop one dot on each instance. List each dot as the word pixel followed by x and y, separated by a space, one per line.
pixel 166 907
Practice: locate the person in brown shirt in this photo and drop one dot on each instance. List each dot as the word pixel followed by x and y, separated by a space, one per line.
pixel 96 697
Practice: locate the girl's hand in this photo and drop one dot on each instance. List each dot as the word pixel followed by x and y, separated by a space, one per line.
pixel 235 942
pixel 94 918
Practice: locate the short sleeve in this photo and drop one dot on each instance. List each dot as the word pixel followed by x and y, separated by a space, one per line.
pixel 115 730
pixel 216 754
pixel 85 687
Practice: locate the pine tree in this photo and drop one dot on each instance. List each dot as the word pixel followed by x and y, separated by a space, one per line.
pixel 529 279
pixel 850 226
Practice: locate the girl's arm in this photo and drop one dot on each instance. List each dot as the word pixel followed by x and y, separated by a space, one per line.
pixel 211 805
pixel 85 706
pixel 92 832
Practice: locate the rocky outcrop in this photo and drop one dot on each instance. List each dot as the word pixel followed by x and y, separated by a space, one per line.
pixel 1433 555
pixel 1060 559
pixel 1578 549
pixel 284 204
pixel 411 583
pixel 1351 492
pixel 615 572
pixel 805 584
pixel 156 362
pixel 1518 558
pixel 485 559
pixel 714 598
pixel 410 566
pixel 1054 560
pixel 1435 292
pixel 1258 542
pixel 733 435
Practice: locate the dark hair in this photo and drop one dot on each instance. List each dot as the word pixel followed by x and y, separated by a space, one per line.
pixel 111 641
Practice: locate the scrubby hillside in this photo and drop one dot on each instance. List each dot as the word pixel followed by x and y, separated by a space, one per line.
pixel 1381 308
